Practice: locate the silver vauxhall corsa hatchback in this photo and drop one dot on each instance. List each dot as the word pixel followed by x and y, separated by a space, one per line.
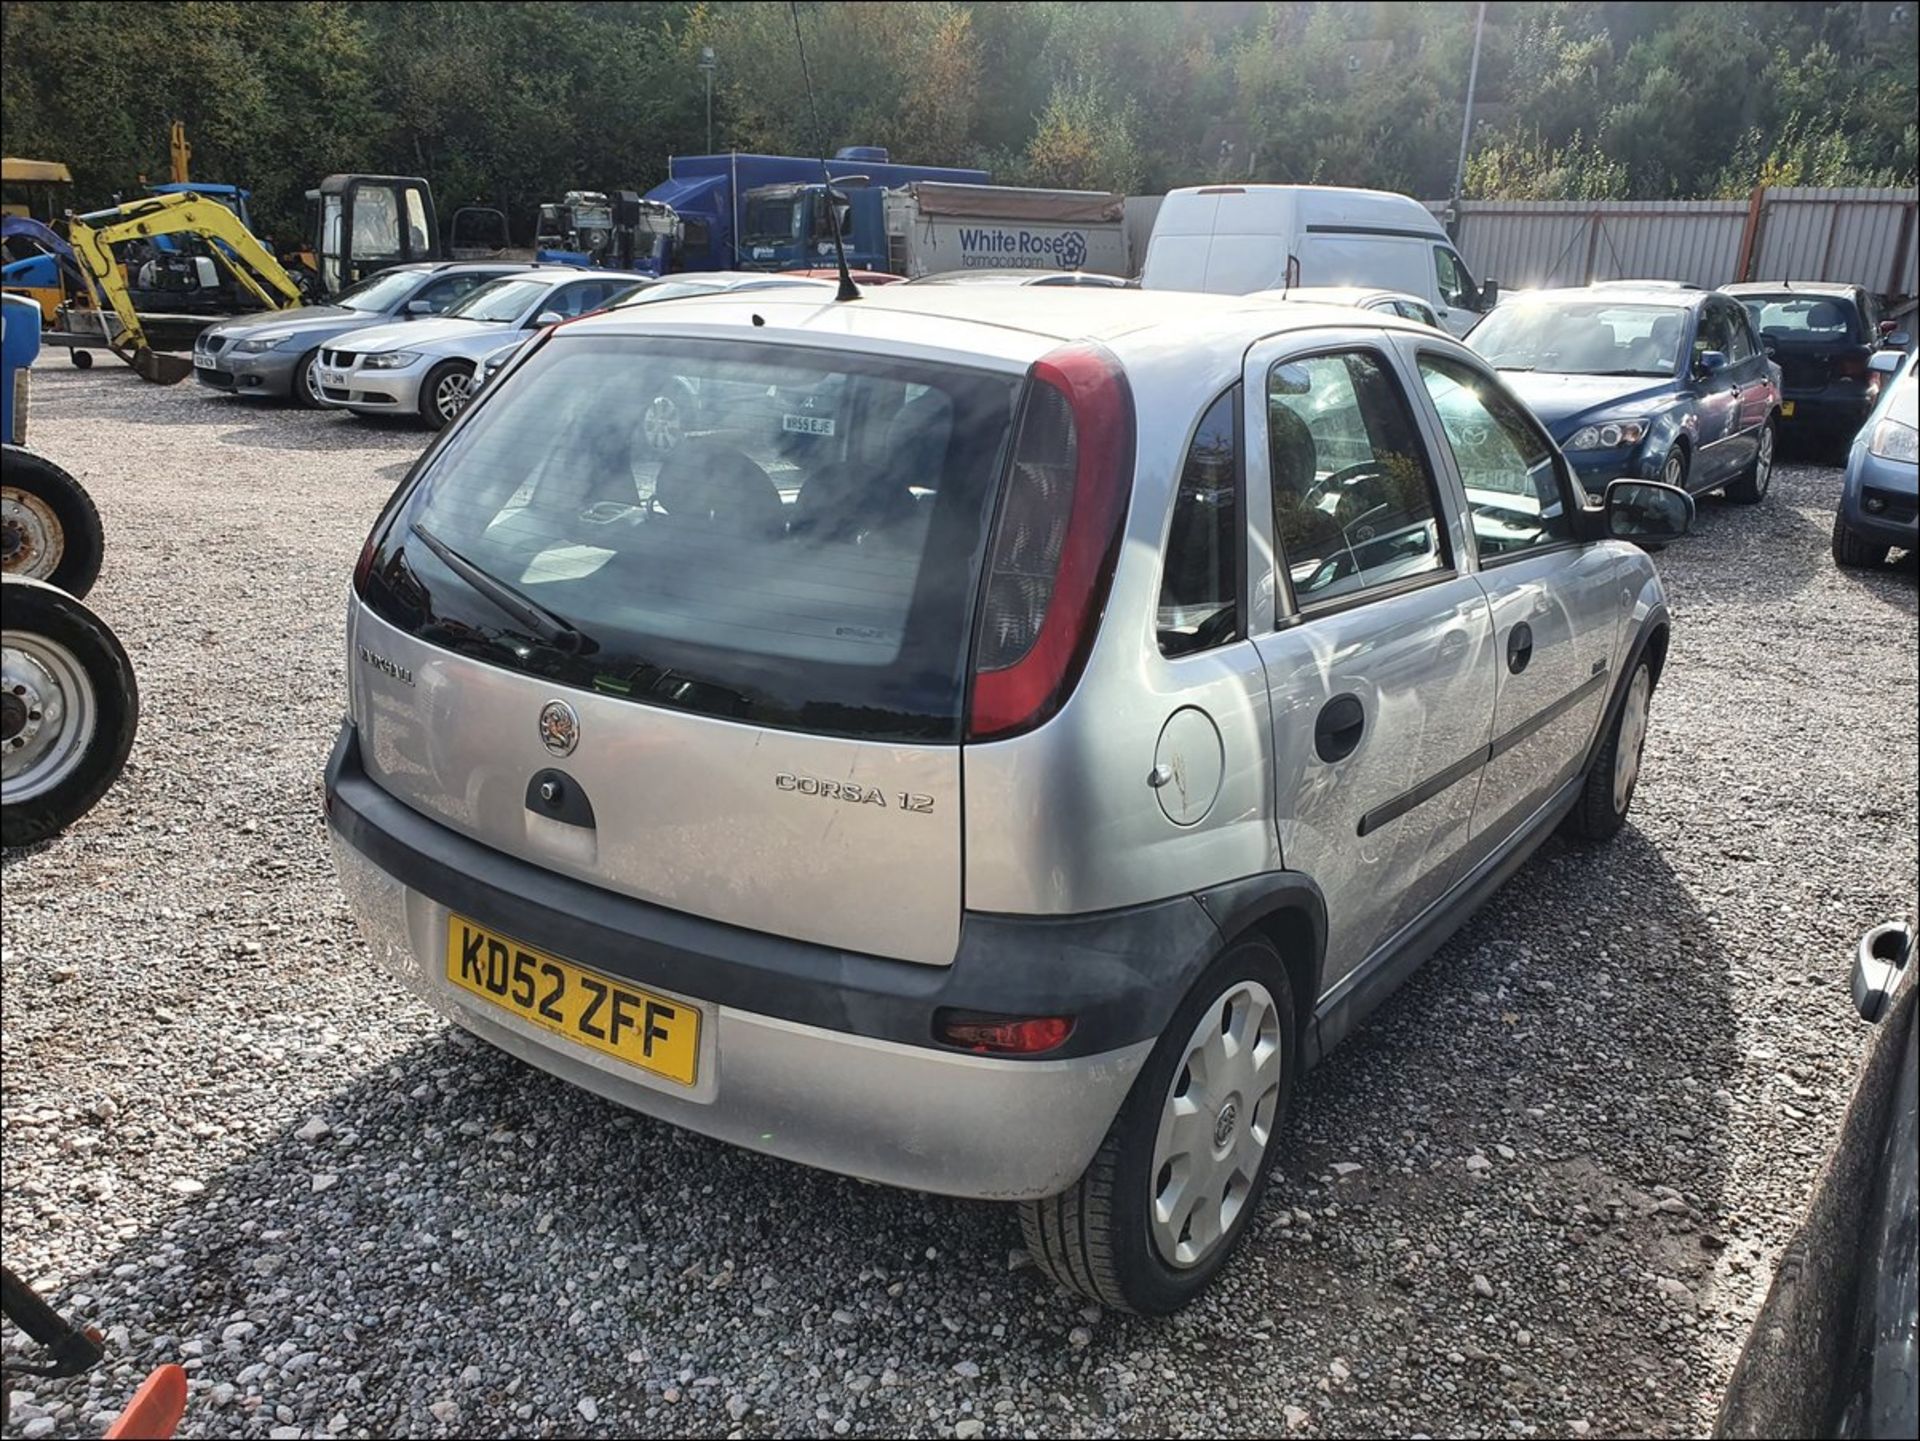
pixel 1016 735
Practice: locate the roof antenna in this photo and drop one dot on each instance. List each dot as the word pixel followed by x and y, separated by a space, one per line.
pixel 848 290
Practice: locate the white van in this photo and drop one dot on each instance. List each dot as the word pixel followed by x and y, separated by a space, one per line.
pixel 1232 239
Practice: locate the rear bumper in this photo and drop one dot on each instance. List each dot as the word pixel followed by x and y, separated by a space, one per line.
pixel 809 1054
pixel 1837 409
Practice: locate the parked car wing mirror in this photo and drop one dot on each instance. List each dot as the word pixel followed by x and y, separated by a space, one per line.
pixel 1707 362
pixel 548 317
pixel 1489 294
pixel 1877 967
pixel 1647 512
pixel 420 307
pixel 1895 340
pixel 1886 362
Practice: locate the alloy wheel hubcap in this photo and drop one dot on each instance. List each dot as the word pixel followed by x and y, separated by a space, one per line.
pixel 1215 1124
pixel 1763 463
pixel 32 539
pixel 313 383
pixel 451 397
pixel 1670 472
pixel 47 714
pixel 1633 736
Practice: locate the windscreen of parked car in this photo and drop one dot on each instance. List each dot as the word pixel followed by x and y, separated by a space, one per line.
pixel 503 301
pixel 1583 337
pixel 379 293
pixel 1802 317
pixel 775 535
pixel 770 219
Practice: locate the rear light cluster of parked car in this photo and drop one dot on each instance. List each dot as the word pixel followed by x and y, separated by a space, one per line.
pixel 1054 543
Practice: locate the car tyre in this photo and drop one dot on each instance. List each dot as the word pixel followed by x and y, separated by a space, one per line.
pixel 445 393
pixel 305 390
pixel 1673 470
pixel 54 644
pixel 1853 552
pixel 50 527
pixel 1751 485
pixel 1107 1236
pixel 1608 794
pixel 82 359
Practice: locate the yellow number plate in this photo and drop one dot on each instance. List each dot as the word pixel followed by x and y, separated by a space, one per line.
pixel 1786 409
pixel 588 1009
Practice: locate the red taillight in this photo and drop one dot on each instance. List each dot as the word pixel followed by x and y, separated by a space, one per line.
pixel 1055 542
pixel 1002 1035
pixel 364 566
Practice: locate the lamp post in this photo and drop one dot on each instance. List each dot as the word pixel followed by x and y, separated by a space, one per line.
pixel 1466 120
pixel 707 64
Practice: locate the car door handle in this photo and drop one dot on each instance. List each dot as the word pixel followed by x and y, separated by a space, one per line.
pixel 1337 731
pixel 1519 647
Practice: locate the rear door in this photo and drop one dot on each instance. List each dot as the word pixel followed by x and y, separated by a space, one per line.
pixel 1555 601
pixel 728 676
pixel 1380 660
pixel 1752 377
pixel 1717 453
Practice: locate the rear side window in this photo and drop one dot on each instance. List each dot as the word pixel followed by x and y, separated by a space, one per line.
pixel 1200 574
pixel 1353 496
pixel 1740 339
pixel 448 288
pixel 774 535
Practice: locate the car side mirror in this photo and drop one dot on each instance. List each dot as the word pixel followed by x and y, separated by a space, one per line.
pixel 420 307
pixel 1886 362
pixel 548 317
pixel 1895 340
pixel 1709 362
pixel 1647 512
pixel 1877 967
pixel 1489 294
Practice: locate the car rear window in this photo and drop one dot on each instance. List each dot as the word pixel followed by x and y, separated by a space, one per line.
pixel 783 536
pixel 1802 317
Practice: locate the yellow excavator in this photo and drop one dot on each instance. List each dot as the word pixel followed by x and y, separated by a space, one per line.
pixel 124 329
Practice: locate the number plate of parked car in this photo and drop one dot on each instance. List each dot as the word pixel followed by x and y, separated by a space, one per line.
pixel 588 1009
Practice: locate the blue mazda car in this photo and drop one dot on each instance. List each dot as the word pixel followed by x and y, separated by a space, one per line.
pixel 1658 383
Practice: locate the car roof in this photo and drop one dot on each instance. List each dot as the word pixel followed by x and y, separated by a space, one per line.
pixel 560 274
pixel 501 265
pixel 1615 292
pixel 1791 287
pixel 1339 295
pixel 1011 324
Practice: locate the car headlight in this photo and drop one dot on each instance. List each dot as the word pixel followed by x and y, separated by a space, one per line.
pixel 389 359
pixel 1894 440
pixel 254 344
pixel 1608 435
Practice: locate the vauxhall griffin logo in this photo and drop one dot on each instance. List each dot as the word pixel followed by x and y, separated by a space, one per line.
pixel 559 727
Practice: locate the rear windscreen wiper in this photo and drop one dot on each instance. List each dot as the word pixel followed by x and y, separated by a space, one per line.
pixel 535 617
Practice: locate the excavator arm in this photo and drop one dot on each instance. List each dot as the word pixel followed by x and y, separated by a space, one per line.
pixel 94 235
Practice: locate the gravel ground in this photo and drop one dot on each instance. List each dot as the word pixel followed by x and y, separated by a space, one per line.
pixel 1541 1193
